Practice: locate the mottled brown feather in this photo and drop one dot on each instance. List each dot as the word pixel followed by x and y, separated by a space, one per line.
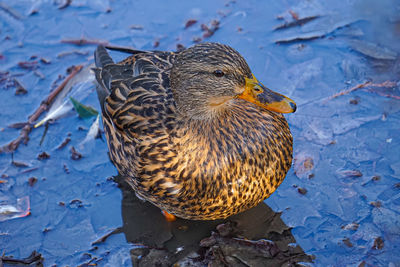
pixel 193 162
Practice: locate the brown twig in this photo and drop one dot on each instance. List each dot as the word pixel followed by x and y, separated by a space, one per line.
pixel 29 170
pixel 385 95
pixel 67 53
pixel 298 22
pixel 363 85
pixel 83 41
pixel 294 15
pixel 190 22
pixel 10 11
pixel 104 237
pixel 348 91
pixel 64 143
pixel 28 65
pixel 66 4
pixel 24 134
pixel 209 31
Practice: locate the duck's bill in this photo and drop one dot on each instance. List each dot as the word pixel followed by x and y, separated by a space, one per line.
pixel 255 92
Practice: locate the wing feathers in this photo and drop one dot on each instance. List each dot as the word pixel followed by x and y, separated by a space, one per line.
pixel 134 94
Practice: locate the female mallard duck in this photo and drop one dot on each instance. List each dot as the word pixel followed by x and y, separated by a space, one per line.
pixel 194 132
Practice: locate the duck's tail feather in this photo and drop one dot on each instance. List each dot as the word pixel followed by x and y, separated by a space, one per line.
pixel 103 77
pixel 101 57
pixel 125 49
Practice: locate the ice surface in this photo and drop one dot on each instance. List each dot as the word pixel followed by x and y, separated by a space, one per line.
pixel 355 41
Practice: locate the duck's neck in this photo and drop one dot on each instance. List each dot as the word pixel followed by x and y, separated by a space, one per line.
pixel 210 110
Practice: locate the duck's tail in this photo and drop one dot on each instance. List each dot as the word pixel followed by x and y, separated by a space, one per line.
pixel 103 76
pixel 127 50
pixel 101 57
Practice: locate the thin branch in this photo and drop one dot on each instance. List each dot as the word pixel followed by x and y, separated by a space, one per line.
pixel 10 11
pixel 348 91
pixel 24 134
pixel 83 41
pixel 369 85
pixel 363 85
pixel 385 95
pixel 66 4
pixel 298 22
pixel 104 237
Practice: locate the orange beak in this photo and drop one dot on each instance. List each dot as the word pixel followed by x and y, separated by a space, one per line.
pixel 255 92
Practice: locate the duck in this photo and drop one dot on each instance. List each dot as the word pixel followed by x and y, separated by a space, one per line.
pixel 193 132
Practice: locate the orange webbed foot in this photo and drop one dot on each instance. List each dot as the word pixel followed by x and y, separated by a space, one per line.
pixel 168 216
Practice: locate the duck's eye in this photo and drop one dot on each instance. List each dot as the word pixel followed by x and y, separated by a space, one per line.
pixel 219 73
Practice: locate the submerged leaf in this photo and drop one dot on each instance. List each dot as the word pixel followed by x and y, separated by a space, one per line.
pixel 83 110
pixel 373 50
pixel 318 30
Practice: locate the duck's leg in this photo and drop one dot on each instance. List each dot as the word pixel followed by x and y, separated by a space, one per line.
pixel 168 216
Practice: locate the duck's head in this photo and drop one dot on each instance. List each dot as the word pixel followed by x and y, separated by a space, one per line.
pixel 205 78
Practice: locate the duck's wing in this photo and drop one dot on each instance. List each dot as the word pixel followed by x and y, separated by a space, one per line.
pixel 135 96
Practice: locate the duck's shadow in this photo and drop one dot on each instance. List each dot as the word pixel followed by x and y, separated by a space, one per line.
pixel 228 241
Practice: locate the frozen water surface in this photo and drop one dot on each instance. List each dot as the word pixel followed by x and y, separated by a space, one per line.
pixel 349 212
